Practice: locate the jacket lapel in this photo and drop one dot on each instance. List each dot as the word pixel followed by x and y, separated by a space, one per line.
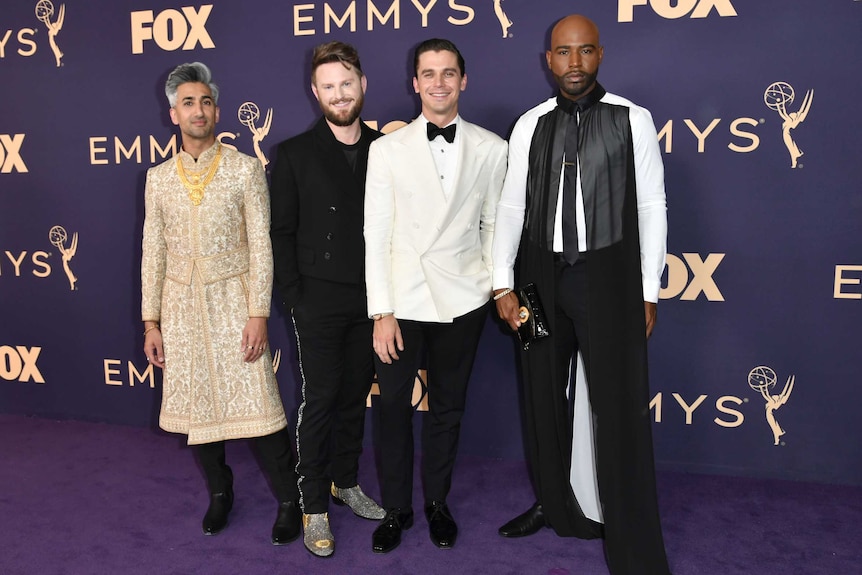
pixel 470 158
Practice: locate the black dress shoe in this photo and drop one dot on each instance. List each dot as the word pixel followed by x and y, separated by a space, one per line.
pixel 216 517
pixel 288 523
pixel 441 525
pixel 387 536
pixel 526 523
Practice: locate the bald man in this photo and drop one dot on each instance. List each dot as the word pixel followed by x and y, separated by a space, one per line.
pixel 583 215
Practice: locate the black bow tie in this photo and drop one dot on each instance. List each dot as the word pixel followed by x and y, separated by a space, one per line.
pixel 448 132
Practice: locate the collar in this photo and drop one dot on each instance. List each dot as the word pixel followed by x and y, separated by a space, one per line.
pixel 204 159
pixel 583 103
pixel 456 121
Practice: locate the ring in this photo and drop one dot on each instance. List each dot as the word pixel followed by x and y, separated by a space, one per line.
pixel 249 347
pixel 523 313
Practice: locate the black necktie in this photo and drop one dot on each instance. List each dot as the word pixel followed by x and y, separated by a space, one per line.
pixel 570 178
pixel 448 132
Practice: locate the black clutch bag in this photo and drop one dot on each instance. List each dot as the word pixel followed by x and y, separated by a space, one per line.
pixel 534 323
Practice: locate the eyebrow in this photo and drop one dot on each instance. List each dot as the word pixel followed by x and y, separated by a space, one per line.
pixel 448 69
pixel 569 46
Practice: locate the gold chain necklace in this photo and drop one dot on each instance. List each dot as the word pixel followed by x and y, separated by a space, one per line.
pixel 196 189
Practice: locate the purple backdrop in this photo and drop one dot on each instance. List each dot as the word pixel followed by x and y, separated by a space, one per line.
pixel 763 285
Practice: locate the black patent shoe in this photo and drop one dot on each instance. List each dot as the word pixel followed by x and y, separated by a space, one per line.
pixel 288 523
pixel 387 536
pixel 441 525
pixel 526 523
pixel 215 519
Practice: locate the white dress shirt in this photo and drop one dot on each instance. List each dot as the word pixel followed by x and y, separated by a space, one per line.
pixel 446 156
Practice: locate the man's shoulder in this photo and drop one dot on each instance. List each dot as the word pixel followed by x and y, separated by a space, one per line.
pixel 298 141
pixel 539 110
pixel 232 156
pixel 482 133
pixel 617 100
pixel 166 166
pixel 527 121
pixel 398 136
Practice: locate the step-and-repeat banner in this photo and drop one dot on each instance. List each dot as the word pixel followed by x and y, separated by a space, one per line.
pixel 755 362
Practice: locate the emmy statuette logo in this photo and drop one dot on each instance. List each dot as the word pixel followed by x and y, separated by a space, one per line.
pixel 248 114
pixel 57 235
pixel 44 11
pixel 505 23
pixel 778 96
pixel 763 380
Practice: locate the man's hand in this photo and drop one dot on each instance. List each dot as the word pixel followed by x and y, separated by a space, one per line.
pixel 387 339
pixel 153 347
pixel 650 311
pixel 507 309
pixel 254 339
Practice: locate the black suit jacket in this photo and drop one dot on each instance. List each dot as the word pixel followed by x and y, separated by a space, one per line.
pixel 317 211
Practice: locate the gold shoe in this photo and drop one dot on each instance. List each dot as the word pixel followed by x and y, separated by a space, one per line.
pixel 318 537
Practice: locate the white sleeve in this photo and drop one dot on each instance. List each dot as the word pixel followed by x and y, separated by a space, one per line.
pixel 652 203
pixel 510 210
pixel 379 215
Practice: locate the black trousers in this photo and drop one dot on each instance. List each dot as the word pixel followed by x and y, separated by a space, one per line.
pixel 451 349
pixel 571 321
pixel 333 335
pixel 275 454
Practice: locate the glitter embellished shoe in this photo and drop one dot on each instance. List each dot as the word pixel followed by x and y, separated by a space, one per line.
pixel 318 537
pixel 361 504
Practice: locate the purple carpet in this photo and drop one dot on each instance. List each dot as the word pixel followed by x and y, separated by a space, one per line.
pixel 86 499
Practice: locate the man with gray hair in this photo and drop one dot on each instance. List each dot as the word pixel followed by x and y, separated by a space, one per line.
pixel 206 276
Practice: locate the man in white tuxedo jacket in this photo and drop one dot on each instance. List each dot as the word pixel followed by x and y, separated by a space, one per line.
pixel 432 189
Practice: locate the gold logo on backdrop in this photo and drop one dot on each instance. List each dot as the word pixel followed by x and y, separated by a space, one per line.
pixel 505 23
pixel 419 401
pixel 248 114
pixel 763 380
pixel 276 360
pixel 778 96
pixel 57 235
pixel 10 154
pixel 19 363
pixel 44 11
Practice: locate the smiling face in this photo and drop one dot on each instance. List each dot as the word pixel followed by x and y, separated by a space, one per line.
pixel 575 56
pixel 195 113
pixel 439 83
pixel 340 91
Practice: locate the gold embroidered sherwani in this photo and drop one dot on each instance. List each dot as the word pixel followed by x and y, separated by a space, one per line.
pixel 205 270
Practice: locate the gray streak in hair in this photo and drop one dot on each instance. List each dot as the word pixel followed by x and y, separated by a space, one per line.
pixel 194 72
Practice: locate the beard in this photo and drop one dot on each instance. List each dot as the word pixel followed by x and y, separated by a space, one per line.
pixel 343 117
pixel 575 91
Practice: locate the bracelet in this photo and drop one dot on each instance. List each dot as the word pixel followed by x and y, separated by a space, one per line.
pixel 379 316
pixel 151 328
pixel 503 293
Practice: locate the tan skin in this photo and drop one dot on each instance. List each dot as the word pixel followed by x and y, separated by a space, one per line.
pixel 439 83
pixel 340 89
pixel 196 113
pixel 574 60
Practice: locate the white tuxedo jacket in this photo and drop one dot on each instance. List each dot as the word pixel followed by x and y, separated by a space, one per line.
pixel 428 258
